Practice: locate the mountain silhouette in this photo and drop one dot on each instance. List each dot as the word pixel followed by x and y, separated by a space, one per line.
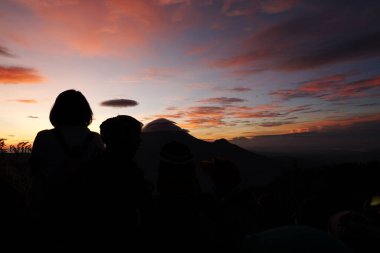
pixel 255 169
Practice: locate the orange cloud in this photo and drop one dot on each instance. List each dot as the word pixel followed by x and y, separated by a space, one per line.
pixel 19 75
pixel 198 117
pixel 170 116
pixel 26 101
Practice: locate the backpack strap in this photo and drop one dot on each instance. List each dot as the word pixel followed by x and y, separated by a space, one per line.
pixel 65 146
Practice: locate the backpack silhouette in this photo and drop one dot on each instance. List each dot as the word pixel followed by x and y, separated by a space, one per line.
pixel 64 194
pixel 74 156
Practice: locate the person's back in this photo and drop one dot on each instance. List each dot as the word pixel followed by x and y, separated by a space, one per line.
pixel 50 168
pixel 235 210
pixel 116 193
pixel 181 223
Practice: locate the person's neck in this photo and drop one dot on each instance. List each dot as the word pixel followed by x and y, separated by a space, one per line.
pixel 119 152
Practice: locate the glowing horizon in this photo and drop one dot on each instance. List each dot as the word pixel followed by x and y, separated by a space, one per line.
pixel 220 69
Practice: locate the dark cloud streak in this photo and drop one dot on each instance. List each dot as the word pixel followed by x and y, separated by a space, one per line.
pixel 5 52
pixel 222 100
pixel 119 103
pixel 320 35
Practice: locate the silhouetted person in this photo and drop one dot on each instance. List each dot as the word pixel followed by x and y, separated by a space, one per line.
pixel 235 212
pixel 116 195
pixel 181 224
pixel 356 230
pixel 176 171
pixel 56 157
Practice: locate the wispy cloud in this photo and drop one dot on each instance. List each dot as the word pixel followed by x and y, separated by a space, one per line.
pixel 5 52
pixel 319 36
pixel 195 117
pixel 171 2
pixel 222 100
pixel 150 74
pixel 276 6
pixel 119 103
pixel 18 75
pixel 236 8
pixel 26 101
pixel 239 89
pixel 330 88
pixel 276 123
pixel 369 104
pixel 127 28
pixel 33 117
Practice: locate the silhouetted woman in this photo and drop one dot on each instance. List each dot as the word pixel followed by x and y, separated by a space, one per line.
pixel 56 156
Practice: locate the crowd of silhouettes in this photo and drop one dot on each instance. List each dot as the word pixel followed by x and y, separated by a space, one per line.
pixel 88 193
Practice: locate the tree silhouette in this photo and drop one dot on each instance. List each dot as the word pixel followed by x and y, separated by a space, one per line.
pixel 2 146
pixel 21 147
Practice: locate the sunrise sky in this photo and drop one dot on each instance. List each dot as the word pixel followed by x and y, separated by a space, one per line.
pixel 231 68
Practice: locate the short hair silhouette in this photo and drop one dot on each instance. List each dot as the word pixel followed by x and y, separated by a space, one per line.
pixel 71 109
pixel 116 130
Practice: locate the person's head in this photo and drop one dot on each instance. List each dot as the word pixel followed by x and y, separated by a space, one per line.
pixel 122 133
pixel 354 229
pixel 176 170
pixel 224 174
pixel 71 109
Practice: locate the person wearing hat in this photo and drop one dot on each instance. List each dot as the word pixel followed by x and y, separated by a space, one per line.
pixel 176 170
pixel 181 222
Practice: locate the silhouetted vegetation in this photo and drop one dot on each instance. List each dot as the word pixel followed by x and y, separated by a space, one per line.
pixel 21 147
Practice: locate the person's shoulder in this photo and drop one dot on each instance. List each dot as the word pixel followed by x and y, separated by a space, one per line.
pixel 95 134
pixel 97 139
pixel 43 134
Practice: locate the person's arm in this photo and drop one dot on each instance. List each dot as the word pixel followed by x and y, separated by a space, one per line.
pixel 36 155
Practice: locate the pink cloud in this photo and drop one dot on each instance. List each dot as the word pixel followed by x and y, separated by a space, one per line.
pixel 120 26
pixel 153 73
pixel 277 6
pixel 171 2
pixel 222 100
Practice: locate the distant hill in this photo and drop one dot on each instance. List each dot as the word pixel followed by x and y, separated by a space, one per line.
pixel 255 169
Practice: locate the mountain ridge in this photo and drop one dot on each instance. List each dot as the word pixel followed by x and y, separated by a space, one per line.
pixel 255 169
